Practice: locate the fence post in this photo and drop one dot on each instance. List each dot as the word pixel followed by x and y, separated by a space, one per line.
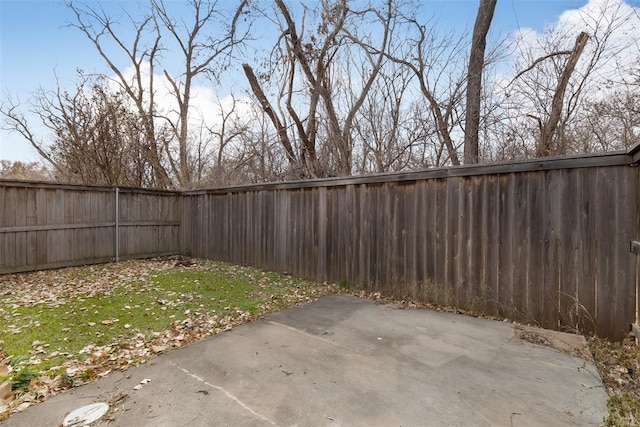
pixel 635 327
pixel 117 226
pixel 635 245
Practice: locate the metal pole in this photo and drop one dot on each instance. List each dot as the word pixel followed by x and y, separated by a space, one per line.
pixel 117 236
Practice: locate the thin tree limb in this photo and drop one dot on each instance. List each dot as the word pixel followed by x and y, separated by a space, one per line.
pixel 537 61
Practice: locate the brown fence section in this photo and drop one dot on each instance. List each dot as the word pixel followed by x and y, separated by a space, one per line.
pixel 545 242
pixel 49 225
pixel 149 223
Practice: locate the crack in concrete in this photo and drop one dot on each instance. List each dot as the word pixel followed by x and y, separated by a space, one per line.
pixel 229 395
pixel 305 333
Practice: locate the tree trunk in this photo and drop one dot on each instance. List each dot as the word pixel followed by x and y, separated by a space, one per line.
pixel 268 109
pixel 474 79
pixel 549 128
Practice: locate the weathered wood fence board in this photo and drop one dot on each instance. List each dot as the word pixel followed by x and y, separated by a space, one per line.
pixel 47 225
pixel 543 242
pixel 149 224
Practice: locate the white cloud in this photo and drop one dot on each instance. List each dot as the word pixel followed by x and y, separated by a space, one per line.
pixel 206 105
pixel 611 23
pixel 610 60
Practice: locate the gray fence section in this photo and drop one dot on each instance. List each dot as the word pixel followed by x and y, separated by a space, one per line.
pixel 543 242
pixel 47 225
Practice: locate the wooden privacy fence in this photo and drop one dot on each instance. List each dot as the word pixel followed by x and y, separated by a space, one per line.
pixel 543 241
pixel 50 225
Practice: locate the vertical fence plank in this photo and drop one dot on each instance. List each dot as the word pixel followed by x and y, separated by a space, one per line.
pixel 31 220
pixel 20 209
pixel 605 298
pixel 473 236
pixel 623 259
pixel 482 245
pixel 568 290
pixel 9 214
pixel 440 250
pixel 3 236
pixel 430 244
pixel 585 223
pixel 537 247
pixel 520 238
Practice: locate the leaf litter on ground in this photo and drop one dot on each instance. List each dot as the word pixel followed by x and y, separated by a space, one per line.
pixel 194 299
pixel 67 327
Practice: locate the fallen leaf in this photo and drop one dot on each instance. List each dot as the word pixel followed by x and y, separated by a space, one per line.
pixel 5 370
pixel 21 407
pixel 158 348
pixel 56 287
pixel 72 371
pixel 5 388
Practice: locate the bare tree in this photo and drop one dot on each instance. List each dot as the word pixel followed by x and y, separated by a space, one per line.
pixel 16 121
pixel 389 130
pixel 205 45
pixel 610 123
pixel 259 156
pixel 323 60
pixel 550 126
pixel 225 137
pixel 281 129
pixel 557 86
pixel 97 26
pixel 97 138
pixel 435 62
pixel 484 17
pixel 204 51
pixel 30 171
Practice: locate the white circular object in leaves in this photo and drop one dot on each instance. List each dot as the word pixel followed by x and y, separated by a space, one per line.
pixel 85 415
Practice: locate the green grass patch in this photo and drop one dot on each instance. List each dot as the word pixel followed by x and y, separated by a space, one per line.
pixel 39 336
pixel 624 410
pixel 619 367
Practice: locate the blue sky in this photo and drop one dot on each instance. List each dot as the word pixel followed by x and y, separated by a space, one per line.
pixel 35 41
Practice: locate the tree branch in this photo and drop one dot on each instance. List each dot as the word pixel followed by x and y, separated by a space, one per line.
pixel 268 109
pixel 536 62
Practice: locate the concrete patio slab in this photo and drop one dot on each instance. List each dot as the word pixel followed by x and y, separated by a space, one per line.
pixel 345 361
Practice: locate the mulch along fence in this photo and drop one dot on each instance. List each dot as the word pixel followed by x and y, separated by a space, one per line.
pixel 545 241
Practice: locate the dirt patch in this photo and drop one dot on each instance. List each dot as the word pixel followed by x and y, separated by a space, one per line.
pixel 572 344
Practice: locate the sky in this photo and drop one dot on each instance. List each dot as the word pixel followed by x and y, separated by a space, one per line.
pixel 37 46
